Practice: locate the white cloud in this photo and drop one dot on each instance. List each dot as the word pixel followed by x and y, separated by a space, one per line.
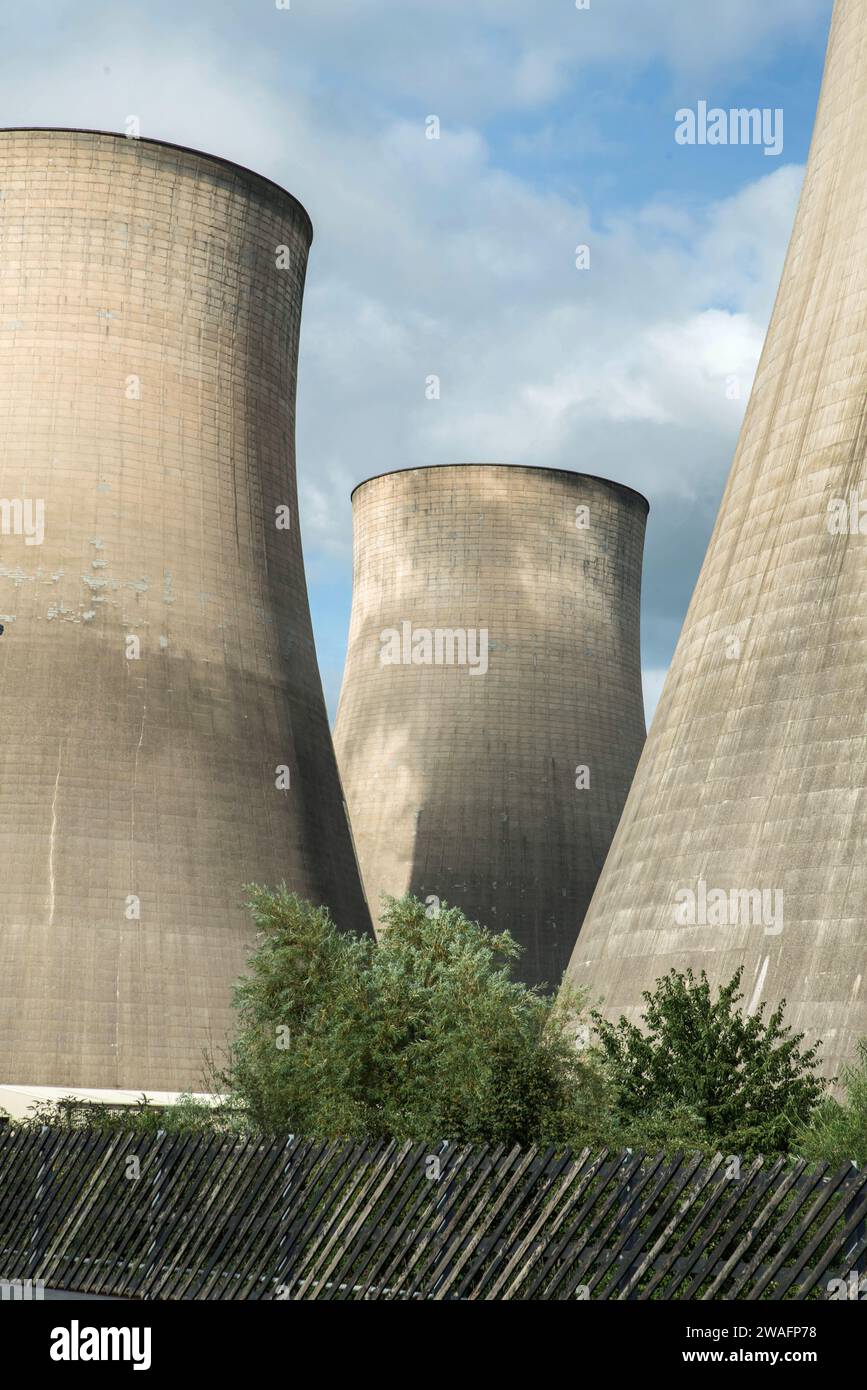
pixel 355 56
pixel 429 258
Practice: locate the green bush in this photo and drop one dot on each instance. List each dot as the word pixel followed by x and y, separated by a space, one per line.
pixel 188 1115
pixel 837 1130
pixel 722 1079
pixel 424 1036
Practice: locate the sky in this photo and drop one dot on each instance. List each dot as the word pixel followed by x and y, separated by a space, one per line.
pixel 456 256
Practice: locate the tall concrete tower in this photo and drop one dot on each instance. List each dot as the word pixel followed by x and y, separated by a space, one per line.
pixel 164 737
pixel 754 777
pixel 491 715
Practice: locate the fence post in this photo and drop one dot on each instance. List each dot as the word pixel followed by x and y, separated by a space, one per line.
pixel 284 1245
pixel 156 1227
pixel 43 1184
pixel 445 1210
pixel 860 1231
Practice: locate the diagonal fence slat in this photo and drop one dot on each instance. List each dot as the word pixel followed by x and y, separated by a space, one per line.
pixel 455 1257
pixel 382 1214
pixel 174 1221
pixel 549 1251
pixel 434 1218
pixel 156 1206
pixel 738 1213
pixel 631 1269
pixel 715 1238
pixel 659 1258
pixel 550 1220
pixel 517 1252
pixel 851 1257
pixel 193 1217
pixel 343 1202
pixel 270 1248
pixel 299 1201
pixel 735 1261
pixel 793 1247
pixel 510 1223
pixel 805 1253
pixel 346 1238
pixel 244 1187
pixel 575 1246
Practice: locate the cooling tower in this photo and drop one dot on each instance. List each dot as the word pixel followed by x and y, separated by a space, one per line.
pixel 743 838
pixel 164 737
pixel 491 714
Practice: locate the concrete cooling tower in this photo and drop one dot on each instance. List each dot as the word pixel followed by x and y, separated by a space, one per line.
pixel 491 714
pixel 164 737
pixel 743 839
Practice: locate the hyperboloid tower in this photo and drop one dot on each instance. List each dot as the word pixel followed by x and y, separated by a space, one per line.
pixel 491 714
pixel 164 737
pixel 743 839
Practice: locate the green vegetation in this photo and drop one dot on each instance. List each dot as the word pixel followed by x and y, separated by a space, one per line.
pixel 706 1072
pixel 837 1129
pixel 423 1036
pixel 188 1115
pixel 426 1036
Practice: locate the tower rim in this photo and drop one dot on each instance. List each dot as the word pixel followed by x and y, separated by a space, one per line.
pixel 512 467
pixel 166 145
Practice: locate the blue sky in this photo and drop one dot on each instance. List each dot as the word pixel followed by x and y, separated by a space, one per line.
pixel 457 256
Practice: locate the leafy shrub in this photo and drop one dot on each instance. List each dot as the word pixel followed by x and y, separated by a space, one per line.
pixel 188 1115
pixel 423 1036
pixel 837 1130
pixel 744 1081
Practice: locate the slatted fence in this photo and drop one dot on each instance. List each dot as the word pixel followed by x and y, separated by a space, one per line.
pixel 211 1217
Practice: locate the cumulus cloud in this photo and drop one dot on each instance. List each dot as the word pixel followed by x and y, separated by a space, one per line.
pixel 437 258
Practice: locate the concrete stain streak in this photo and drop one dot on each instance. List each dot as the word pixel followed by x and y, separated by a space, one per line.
pixel 760 984
pixel 51 889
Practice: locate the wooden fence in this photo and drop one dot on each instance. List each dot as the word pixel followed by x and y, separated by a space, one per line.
pixel 208 1217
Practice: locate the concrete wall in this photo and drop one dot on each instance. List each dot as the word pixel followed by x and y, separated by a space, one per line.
pixel 754 776
pixel 462 785
pixel 147 387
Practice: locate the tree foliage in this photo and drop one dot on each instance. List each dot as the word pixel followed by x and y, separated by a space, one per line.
pixel 426 1036
pixel 423 1036
pixel 740 1081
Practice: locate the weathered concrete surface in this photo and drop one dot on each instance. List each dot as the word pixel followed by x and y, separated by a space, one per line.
pixel 754 775
pixel 462 785
pixel 148 345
